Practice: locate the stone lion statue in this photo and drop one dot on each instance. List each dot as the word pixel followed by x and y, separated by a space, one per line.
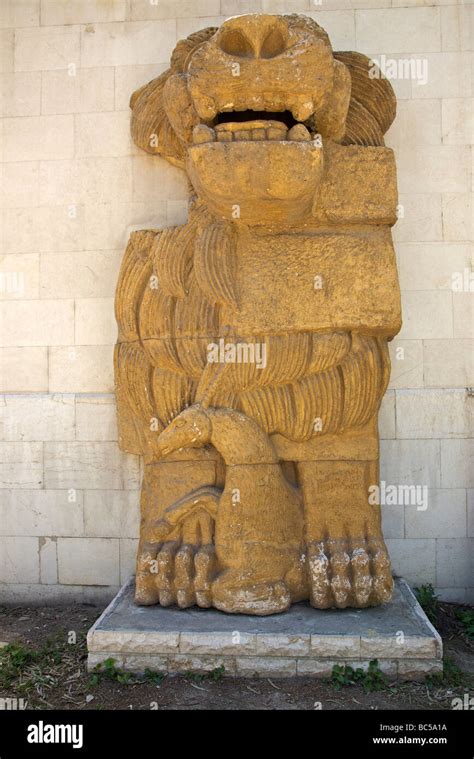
pixel 252 352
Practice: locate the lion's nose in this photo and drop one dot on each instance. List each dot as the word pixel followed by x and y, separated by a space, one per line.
pixel 253 36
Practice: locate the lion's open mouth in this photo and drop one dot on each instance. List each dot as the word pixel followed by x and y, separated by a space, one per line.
pixel 253 126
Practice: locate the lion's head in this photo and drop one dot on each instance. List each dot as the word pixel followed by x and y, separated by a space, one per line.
pixel 245 108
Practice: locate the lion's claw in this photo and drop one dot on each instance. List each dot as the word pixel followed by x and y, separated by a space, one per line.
pixel 175 566
pixel 349 572
pixel 179 575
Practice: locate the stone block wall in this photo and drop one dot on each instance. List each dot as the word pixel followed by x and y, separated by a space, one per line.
pixel 72 188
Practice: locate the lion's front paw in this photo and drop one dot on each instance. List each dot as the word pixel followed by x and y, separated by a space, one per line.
pixel 178 562
pixel 349 572
pixel 175 572
pixel 178 573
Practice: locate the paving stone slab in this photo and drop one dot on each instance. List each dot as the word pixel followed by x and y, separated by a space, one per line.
pixel 302 641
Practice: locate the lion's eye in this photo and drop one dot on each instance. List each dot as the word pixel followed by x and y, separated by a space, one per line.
pixel 180 424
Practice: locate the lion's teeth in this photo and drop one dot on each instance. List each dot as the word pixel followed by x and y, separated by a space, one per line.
pixel 203 133
pixel 205 107
pixel 276 133
pixel 242 134
pixel 256 131
pixel 303 110
pixel 299 133
pixel 224 136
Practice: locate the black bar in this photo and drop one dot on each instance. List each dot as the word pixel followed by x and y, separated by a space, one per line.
pixel 313 734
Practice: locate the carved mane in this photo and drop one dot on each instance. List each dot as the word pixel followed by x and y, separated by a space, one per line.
pixel 164 332
pixel 332 377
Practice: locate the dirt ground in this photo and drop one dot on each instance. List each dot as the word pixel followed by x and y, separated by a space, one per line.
pixel 45 664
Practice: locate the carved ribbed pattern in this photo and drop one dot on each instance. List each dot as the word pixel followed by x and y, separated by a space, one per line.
pixel 373 104
pixel 172 393
pixel 288 358
pixel 150 127
pixel 173 259
pixel 301 377
pixel 185 48
pixel 133 374
pixel 344 396
pixel 215 263
pixel 361 127
pixel 133 279
pixel 328 350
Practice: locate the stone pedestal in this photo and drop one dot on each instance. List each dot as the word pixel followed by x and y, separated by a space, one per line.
pixel 302 641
